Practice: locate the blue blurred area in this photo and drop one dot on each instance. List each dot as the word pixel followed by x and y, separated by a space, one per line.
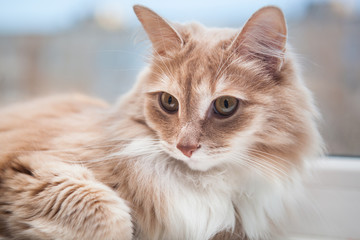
pixel 18 16
pixel 44 16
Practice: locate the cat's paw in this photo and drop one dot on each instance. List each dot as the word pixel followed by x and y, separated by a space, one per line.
pixel 100 214
pixel 89 209
pixel 62 202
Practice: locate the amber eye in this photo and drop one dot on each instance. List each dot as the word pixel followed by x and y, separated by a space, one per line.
pixel 225 105
pixel 169 102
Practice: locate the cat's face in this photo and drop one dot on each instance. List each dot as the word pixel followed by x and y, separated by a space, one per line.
pixel 216 96
pixel 199 117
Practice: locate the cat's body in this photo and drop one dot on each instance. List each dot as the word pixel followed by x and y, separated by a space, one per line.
pixel 74 168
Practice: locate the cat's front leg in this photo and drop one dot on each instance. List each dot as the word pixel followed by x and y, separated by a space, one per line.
pixel 54 200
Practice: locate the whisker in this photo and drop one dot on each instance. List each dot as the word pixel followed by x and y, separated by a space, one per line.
pixel 231 55
pixel 168 70
pixel 220 64
pixel 270 168
pixel 274 156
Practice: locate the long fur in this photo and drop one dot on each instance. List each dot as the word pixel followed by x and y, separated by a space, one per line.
pixel 72 167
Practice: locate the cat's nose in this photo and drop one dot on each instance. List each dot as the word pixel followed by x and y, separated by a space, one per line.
pixel 188 149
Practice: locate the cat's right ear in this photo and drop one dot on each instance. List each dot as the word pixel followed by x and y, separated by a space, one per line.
pixel 263 37
pixel 162 35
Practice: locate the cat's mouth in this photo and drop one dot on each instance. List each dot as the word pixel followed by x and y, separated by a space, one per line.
pixel 197 161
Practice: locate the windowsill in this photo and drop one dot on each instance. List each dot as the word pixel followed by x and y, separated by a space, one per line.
pixel 334 192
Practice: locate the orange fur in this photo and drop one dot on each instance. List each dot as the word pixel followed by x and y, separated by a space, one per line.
pixel 72 167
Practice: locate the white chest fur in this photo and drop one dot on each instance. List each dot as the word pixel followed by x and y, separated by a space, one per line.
pixel 199 206
pixel 199 213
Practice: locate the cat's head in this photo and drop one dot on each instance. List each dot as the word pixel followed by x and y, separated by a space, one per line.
pixel 226 96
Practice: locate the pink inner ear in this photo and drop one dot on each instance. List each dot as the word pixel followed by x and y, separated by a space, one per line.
pixel 161 34
pixel 264 37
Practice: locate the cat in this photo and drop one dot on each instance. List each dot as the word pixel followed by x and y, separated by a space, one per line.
pixel 210 143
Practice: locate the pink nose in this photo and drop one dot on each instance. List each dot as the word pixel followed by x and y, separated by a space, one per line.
pixel 187 150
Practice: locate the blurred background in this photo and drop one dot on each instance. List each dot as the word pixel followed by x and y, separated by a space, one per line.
pixel 93 46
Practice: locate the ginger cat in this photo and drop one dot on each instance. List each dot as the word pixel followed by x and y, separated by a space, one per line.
pixel 209 144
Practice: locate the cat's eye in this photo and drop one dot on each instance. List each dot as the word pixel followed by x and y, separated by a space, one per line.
pixel 225 106
pixel 168 102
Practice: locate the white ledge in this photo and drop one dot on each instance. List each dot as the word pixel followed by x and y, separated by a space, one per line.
pixel 334 191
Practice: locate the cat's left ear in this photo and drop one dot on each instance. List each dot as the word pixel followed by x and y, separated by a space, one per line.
pixel 162 35
pixel 263 37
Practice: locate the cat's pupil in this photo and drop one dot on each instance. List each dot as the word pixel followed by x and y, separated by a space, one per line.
pixel 226 103
pixel 168 102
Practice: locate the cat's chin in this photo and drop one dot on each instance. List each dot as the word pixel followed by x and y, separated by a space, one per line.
pixel 198 165
pixel 194 164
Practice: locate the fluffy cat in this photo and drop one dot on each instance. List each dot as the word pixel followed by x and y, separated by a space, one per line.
pixel 209 144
